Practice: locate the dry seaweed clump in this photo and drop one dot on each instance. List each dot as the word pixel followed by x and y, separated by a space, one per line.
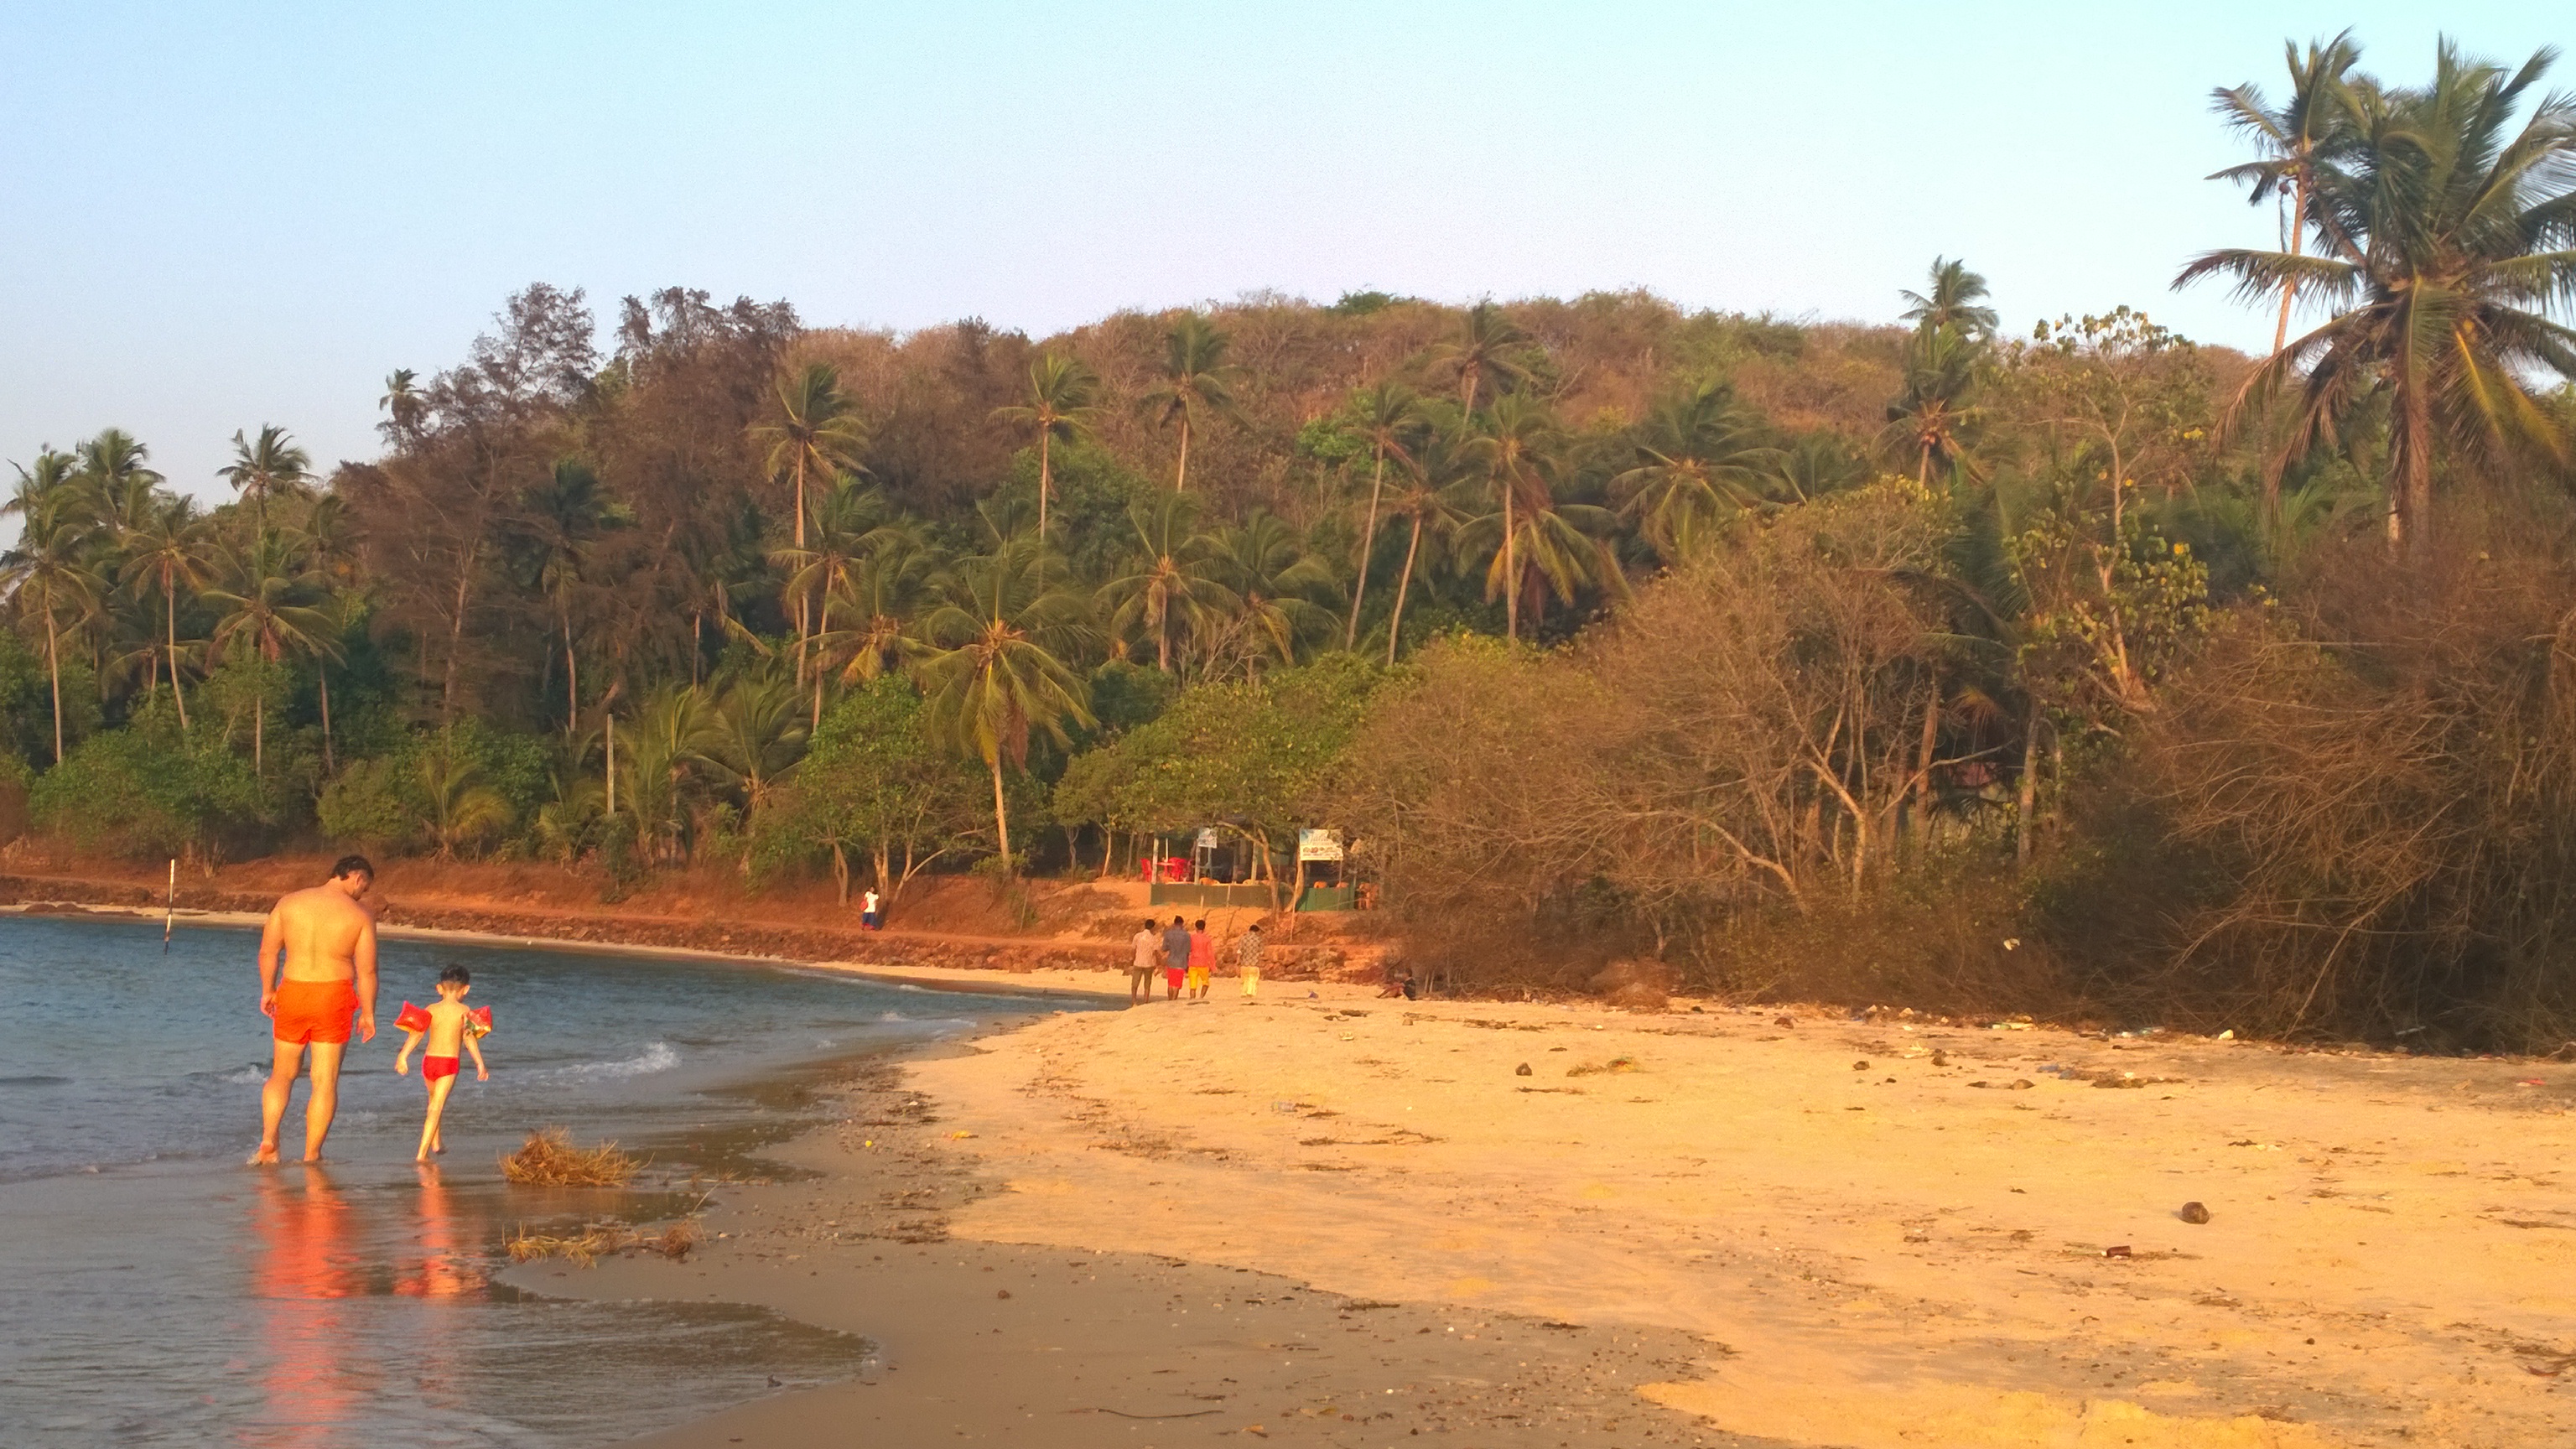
pixel 598 1240
pixel 549 1159
pixel 1592 1069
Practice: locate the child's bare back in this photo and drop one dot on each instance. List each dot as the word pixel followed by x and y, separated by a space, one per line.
pixel 443 1029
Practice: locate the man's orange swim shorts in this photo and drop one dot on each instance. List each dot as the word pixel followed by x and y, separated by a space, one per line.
pixel 315 1011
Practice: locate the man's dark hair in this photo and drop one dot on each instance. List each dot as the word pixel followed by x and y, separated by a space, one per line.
pixel 1176 920
pixel 348 865
pixel 457 974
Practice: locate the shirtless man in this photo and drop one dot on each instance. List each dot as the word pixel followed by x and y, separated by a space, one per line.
pixel 317 968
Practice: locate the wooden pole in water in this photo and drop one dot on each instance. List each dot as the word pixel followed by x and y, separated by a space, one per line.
pixel 170 906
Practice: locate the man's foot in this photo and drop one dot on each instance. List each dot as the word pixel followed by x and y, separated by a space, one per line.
pixel 420 1157
pixel 266 1156
pixel 313 1155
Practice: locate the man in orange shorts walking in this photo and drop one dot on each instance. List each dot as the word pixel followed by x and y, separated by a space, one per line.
pixel 317 969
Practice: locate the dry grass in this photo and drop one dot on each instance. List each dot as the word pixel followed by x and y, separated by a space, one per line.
pixel 1615 1064
pixel 549 1159
pixel 598 1240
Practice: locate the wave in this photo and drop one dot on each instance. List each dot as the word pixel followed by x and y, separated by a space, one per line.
pixel 35 1081
pixel 659 1057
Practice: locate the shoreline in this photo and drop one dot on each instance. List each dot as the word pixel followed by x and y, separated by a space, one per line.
pixel 965 980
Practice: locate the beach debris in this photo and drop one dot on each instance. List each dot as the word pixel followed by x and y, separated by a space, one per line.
pixel 959 1136
pixel 2021 1084
pixel 2228 1035
pixel 1523 1070
pixel 599 1240
pixel 2118 1250
pixel 1004 1293
pixel 1940 1058
pixel 1615 1064
pixel 1861 1066
pixel 1791 1021
pixel 2193 1213
pixel 549 1159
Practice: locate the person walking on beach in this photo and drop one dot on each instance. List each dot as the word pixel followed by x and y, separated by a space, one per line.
pixel 870 918
pixel 1247 958
pixel 1147 944
pixel 1202 961
pixel 447 1025
pixel 1176 958
pixel 317 970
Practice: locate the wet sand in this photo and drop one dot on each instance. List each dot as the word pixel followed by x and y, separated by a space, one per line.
pixel 1757 1235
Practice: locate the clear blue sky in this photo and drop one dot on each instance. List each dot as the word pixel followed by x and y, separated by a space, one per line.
pixel 224 215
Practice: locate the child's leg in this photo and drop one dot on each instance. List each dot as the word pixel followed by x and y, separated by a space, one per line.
pixel 430 1140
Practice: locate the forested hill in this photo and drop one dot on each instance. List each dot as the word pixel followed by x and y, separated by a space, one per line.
pixel 2079 669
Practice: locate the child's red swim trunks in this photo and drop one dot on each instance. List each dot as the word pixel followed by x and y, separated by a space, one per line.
pixel 433 1068
pixel 314 1011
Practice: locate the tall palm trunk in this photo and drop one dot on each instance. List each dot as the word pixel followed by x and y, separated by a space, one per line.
pixel 2290 287
pixel 54 670
pixel 322 676
pixel 1511 572
pixel 1181 479
pixel 803 630
pixel 1046 480
pixel 1368 544
pixel 1001 818
pixel 1403 582
pixel 456 634
pixel 1923 764
pixel 572 672
pixel 170 607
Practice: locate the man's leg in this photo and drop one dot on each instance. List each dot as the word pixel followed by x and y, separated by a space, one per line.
pixel 322 1102
pixel 282 1067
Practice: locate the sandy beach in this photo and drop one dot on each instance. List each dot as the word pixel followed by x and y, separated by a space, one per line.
pixel 1709 1225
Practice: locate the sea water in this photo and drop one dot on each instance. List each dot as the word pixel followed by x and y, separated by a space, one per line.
pixel 156 1291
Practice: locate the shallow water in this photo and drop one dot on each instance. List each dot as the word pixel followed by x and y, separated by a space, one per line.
pixel 188 1300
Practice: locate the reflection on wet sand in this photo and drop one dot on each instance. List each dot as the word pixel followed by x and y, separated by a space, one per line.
pixel 304 1272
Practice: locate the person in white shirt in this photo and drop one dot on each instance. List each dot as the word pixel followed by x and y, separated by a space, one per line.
pixel 869 916
pixel 1148 958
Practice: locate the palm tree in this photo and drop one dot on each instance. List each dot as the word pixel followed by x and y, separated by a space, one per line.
pixel 123 491
pixel 1702 455
pixel 1517 436
pixel 1390 417
pixel 1818 464
pixel 1956 291
pixel 869 614
pixel 265 465
pixel 1171 579
pixel 1196 379
pixel 1276 585
pixel 2293 139
pixel 564 517
pixel 1539 546
pixel 460 806
pixel 1004 634
pixel 756 735
pixel 675 733
pixel 265 611
pixel 1061 396
pixel 1441 467
pixel 169 550
pixel 2447 235
pixel 49 573
pixel 1488 348
pixel 405 407
pixel 1934 417
pixel 816 428
pixel 848 520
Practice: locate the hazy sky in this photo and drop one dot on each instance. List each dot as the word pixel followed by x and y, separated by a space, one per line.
pixel 224 215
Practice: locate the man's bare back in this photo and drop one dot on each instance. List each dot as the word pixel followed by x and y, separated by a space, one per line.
pixel 320 928
pixel 317 972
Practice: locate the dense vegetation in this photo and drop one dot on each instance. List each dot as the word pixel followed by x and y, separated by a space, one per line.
pixel 2089 670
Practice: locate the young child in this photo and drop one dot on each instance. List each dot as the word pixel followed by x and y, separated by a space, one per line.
pixel 447 1024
